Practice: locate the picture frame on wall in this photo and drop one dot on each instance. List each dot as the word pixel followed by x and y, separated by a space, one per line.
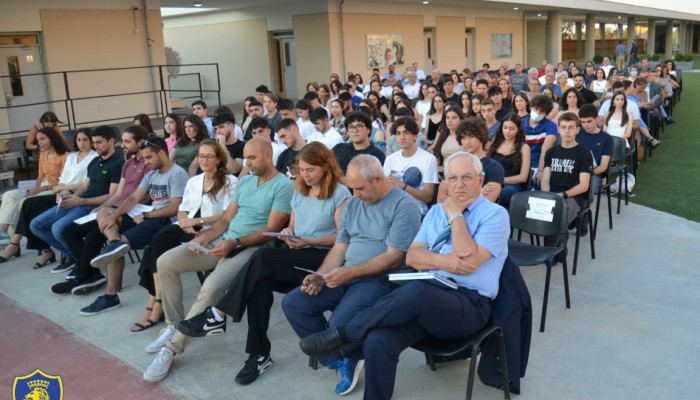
pixel 501 45
pixel 384 50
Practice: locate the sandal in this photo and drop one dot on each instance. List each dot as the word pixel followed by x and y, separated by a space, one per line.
pixel 46 262
pixel 19 253
pixel 149 322
pixel 655 143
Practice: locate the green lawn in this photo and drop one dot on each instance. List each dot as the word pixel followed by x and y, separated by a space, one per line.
pixel 669 181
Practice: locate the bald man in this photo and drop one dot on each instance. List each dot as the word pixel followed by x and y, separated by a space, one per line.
pixel 260 203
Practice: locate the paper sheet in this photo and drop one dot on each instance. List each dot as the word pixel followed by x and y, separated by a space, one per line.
pixel 86 219
pixel 138 209
pixel 540 209
pixel 24 186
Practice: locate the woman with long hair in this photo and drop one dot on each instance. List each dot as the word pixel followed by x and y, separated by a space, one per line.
pixel 335 88
pixel 324 95
pixel 312 87
pixel 425 99
pixel 510 150
pixel 599 85
pixel 476 105
pixel 317 204
pixel 457 82
pixel 571 101
pixel 436 115
pixel 72 176
pixel 377 135
pixel 521 104
pixel 144 121
pixel 446 142
pixel 338 118
pixel 52 157
pixel 186 148
pixel 505 86
pixel 617 121
pixel 206 197
pixel 173 129
pixel 47 120
pixel 466 100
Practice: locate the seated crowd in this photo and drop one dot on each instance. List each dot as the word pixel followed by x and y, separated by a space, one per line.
pixel 334 191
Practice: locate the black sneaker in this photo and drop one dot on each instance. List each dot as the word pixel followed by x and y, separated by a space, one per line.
pixel 67 265
pixel 114 250
pixel 670 122
pixel 65 287
pixel 89 285
pixel 202 324
pixel 71 275
pixel 631 193
pixel 256 365
pixel 100 305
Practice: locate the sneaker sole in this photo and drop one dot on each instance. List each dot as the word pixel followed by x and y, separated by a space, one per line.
pixel 86 288
pixel 106 258
pixel 59 294
pixel 185 330
pixel 88 313
pixel 355 377
pixel 154 379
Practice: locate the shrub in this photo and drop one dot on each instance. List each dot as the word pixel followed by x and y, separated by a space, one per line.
pixel 656 57
pixel 597 58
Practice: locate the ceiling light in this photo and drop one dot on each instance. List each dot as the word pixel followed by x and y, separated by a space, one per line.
pixel 425 2
pixel 539 15
pixel 619 17
pixel 515 8
pixel 197 3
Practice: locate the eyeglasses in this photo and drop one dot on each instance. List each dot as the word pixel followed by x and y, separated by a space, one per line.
pixel 147 143
pixel 465 178
pixel 356 127
pixel 207 157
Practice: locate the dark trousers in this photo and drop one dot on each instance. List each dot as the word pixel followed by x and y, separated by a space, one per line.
pixel 410 313
pixel 268 270
pixel 305 313
pixel 167 238
pixel 89 247
pixel 32 207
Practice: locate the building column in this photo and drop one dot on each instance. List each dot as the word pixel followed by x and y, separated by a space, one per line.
pixel 553 35
pixel 579 41
pixel 651 36
pixel 620 30
pixel 601 30
pixel 691 35
pixel 631 30
pixel 669 39
pixel 590 36
pixel 682 31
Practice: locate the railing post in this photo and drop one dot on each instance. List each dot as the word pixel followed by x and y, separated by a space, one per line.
pixel 218 83
pixel 71 122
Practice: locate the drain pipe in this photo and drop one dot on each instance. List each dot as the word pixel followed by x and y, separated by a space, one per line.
pixel 149 44
pixel 342 40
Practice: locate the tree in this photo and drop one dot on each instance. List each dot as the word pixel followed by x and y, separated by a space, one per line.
pixel 172 58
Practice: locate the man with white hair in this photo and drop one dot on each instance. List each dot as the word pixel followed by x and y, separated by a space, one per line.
pixel 464 239
pixel 419 72
pixel 376 229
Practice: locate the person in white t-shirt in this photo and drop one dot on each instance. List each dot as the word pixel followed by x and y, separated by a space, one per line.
pixel 324 132
pixel 306 127
pixel 412 169
pixel 412 88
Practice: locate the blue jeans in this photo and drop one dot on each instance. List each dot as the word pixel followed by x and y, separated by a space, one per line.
pixel 507 192
pixel 49 226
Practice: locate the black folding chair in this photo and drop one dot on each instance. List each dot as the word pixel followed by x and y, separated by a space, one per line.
pixel 580 220
pixel 537 220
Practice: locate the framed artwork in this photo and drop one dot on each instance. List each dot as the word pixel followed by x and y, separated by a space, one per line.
pixel 384 50
pixel 501 45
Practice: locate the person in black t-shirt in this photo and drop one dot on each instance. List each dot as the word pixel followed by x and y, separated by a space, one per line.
pixel 288 132
pixel 568 166
pixel 359 126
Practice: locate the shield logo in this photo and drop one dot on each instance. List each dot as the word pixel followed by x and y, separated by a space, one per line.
pixel 37 386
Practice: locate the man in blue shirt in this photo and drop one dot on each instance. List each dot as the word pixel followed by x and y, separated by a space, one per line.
pixel 597 141
pixel 464 239
pixel 620 53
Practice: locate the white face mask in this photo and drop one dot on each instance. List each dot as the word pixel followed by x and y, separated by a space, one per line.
pixel 534 116
pixel 633 72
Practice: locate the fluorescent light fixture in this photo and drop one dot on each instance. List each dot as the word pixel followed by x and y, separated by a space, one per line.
pixel 425 2
pixel 515 8
pixel 539 15
pixel 197 3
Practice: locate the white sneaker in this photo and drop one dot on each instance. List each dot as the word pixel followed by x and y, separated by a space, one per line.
pixel 160 366
pixel 163 337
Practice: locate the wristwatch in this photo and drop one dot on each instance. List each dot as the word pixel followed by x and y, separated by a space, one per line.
pixel 564 195
pixel 143 214
pixel 238 242
pixel 454 217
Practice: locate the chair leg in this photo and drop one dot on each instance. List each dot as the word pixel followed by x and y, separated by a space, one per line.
pixel 578 238
pixel 546 295
pixel 610 212
pixel 594 231
pixel 430 360
pixel 592 237
pixel 504 364
pixel 626 190
pixel 472 370
pixel 564 269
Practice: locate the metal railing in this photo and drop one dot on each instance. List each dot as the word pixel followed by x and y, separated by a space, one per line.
pixel 161 93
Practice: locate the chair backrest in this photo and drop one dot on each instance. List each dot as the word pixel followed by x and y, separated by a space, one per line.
pixel 619 150
pixel 5 145
pixel 539 213
pixel 527 185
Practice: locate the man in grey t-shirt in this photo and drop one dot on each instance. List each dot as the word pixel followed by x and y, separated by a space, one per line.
pixel 376 228
pixel 165 185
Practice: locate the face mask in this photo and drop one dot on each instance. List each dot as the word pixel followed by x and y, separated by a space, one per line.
pixel 536 117
pixel 633 72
